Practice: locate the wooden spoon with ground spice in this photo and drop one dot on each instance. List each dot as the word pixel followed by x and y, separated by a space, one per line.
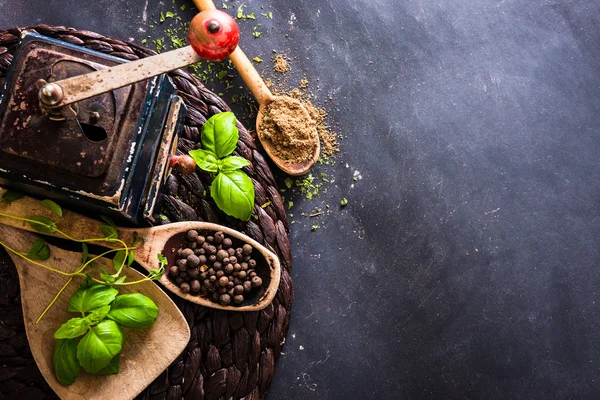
pixel 283 125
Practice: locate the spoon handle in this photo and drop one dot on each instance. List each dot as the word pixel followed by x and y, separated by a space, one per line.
pixel 244 66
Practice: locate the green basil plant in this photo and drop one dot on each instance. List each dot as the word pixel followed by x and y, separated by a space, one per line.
pixel 231 189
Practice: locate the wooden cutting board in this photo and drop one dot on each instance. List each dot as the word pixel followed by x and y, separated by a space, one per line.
pixel 146 353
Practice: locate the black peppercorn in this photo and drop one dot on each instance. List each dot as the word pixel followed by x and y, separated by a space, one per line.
pixel 192 246
pixel 193 273
pixel 238 299
pixel 230 285
pixel 179 253
pixel 238 289
pixel 247 249
pixel 191 236
pixel 221 255
pixel 219 237
pixel 195 286
pixel 244 266
pixel 212 278
pixel 193 261
pixel 212 258
pixel 247 286
pixel 252 274
pixel 237 267
pixel 201 240
pixel 173 271
pixel 212 250
pixel 242 274
pixel 200 252
pixel 225 299
pixel 228 269
pixel 220 273
pixel 186 253
pixel 210 239
pixel 226 260
pixel 211 271
pixel 202 259
pixel 185 287
pixel 223 280
pixel 182 264
pixel 203 275
pixel 256 281
pixel 183 274
pixel 222 290
pixel 252 263
pixel 227 243
pixel 215 297
pixel 231 251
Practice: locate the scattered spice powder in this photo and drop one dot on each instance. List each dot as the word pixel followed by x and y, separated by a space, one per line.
pixel 289 129
pixel 281 64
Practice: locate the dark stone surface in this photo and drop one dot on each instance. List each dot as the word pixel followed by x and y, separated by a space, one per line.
pixel 466 262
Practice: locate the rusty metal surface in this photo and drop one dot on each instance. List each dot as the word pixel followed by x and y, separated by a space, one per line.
pixel 61 152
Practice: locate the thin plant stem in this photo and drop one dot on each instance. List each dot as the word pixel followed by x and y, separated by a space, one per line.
pixel 53 301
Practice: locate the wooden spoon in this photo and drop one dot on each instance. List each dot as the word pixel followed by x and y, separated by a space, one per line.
pixel 147 352
pixel 152 241
pixel 263 96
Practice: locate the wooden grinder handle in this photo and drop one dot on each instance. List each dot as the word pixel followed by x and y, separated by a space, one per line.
pixel 244 66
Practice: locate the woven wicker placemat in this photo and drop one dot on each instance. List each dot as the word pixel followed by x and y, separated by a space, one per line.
pixel 230 355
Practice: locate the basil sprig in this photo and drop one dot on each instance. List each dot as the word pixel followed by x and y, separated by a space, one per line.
pixel 104 315
pixel 231 189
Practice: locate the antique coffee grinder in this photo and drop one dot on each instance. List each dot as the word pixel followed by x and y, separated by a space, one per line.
pixel 95 132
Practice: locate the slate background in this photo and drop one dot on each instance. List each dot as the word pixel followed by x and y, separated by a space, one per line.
pixel 466 262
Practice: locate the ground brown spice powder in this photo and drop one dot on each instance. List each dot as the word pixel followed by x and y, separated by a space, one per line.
pixel 289 129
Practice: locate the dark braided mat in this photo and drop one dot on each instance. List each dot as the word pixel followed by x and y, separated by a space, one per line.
pixel 230 355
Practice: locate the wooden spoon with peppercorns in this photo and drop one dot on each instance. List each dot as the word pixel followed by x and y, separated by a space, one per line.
pixel 290 137
pixel 152 241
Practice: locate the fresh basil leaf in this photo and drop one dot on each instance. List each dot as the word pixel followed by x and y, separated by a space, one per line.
pixel 72 329
pixel 108 221
pixel 110 232
pixel 11 195
pixel 162 260
pixel 66 365
pixel 39 251
pixel 112 367
pixel 205 160
pixel 119 260
pixel 96 296
pixel 52 206
pixel 232 163
pixel 136 239
pixel 87 283
pixel 120 280
pixel 42 224
pixel 108 278
pixel 220 135
pixel 98 315
pixel 234 194
pixel 156 274
pixel 98 347
pixel 85 253
pixel 130 258
pixel 133 311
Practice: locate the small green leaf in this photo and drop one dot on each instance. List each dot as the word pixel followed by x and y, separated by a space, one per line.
pixel 87 283
pixel 98 315
pixel 205 160
pixel 136 239
pixel 98 347
pixel 11 195
pixel 169 14
pixel 52 206
pixel 288 182
pixel 39 251
pixel 112 367
pixel 43 224
pixel 72 329
pixel 119 260
pixel 156 274
pixel 120 280
pixel 130 258
pixel 110 233
pixel 108 221
pixel 162 260
pixel 133 311
pixel 96 296
pixel 66 365
pixel 85 253
pixel 108 278
pixel 344 202
pixel 220 135
pixel 234 194
pixel 232 163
